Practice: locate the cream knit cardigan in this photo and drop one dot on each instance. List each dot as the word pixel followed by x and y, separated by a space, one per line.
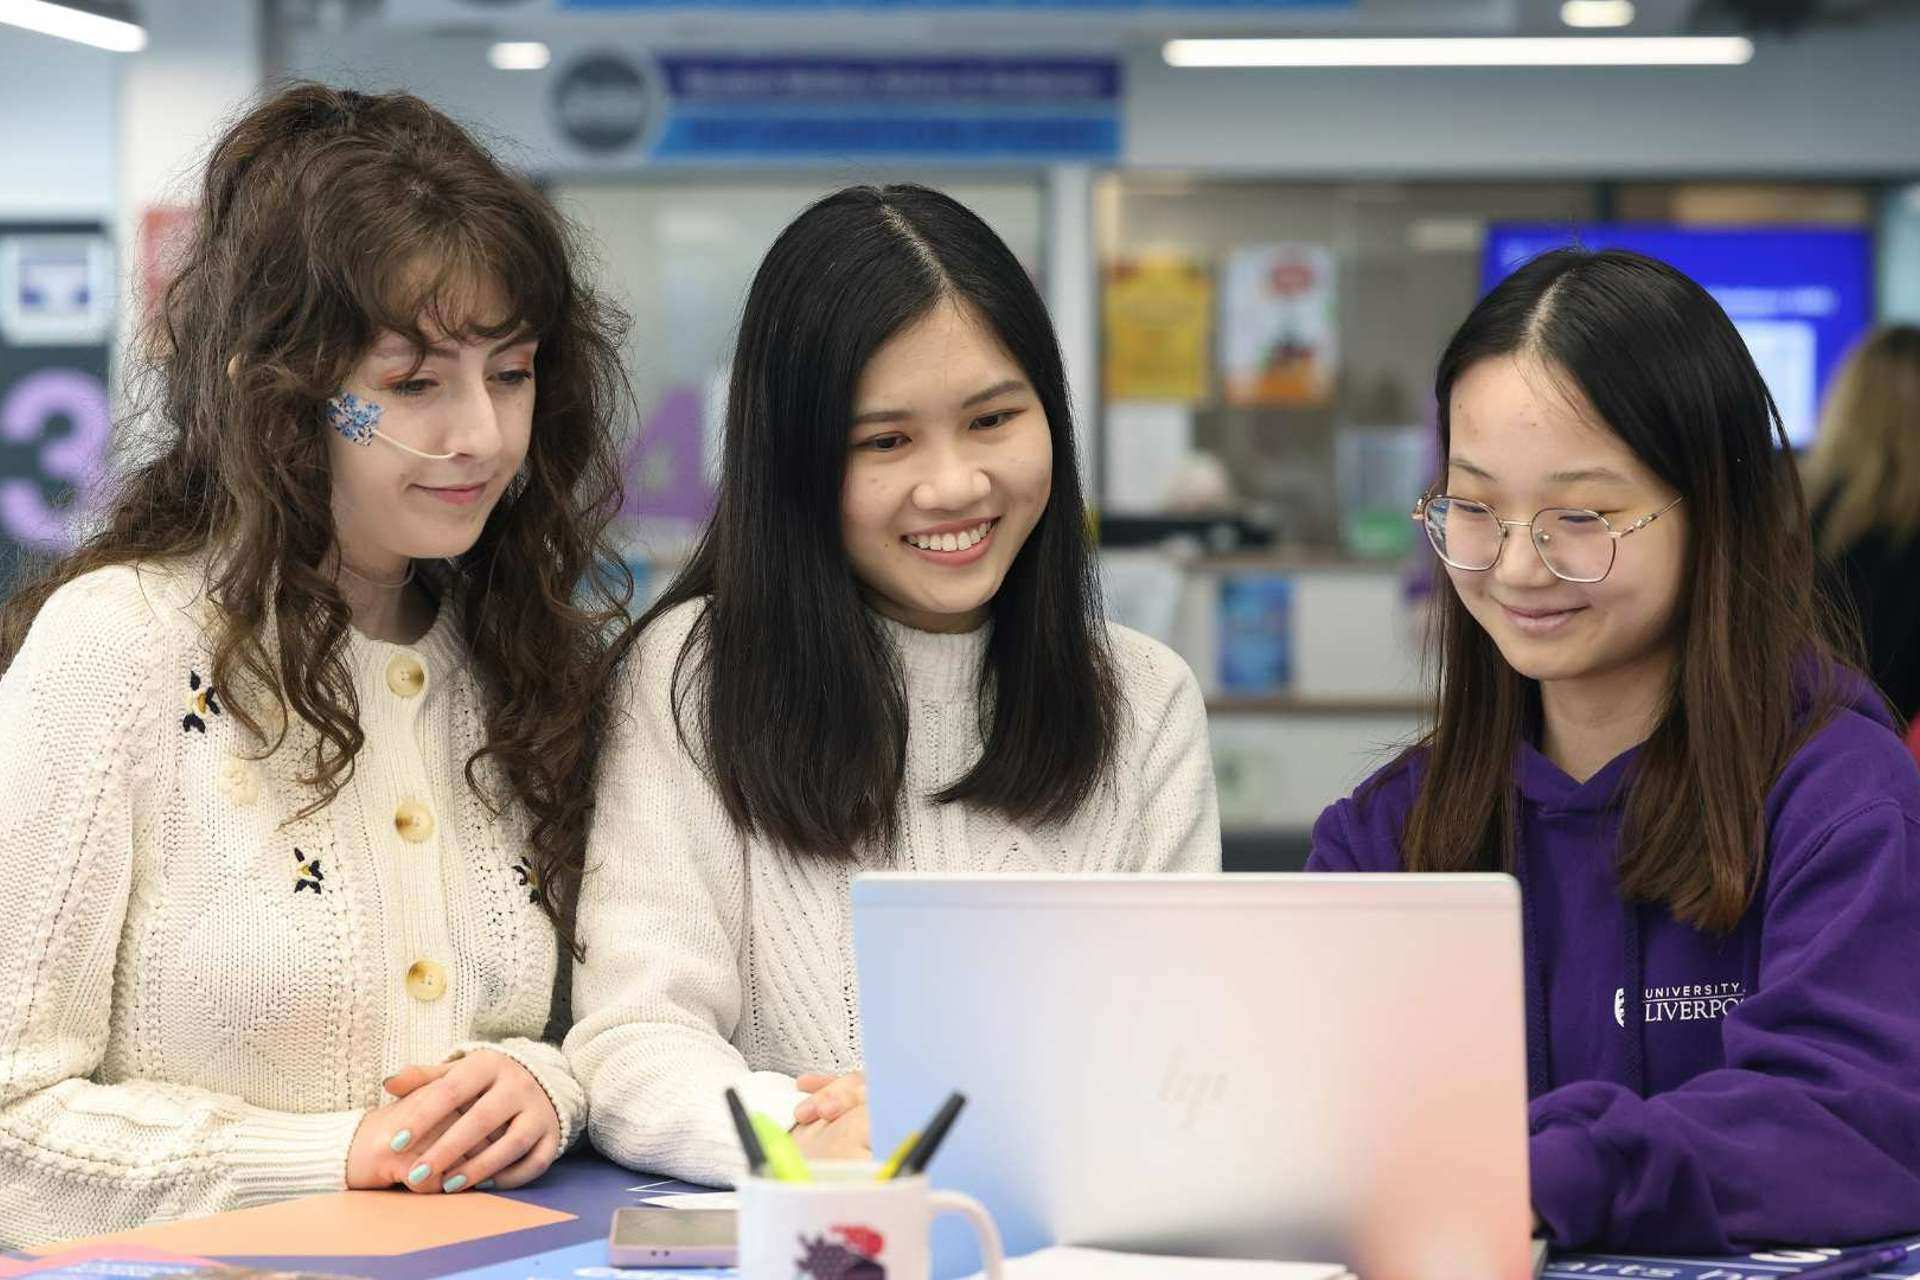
pixel 200 993
pixel 714 960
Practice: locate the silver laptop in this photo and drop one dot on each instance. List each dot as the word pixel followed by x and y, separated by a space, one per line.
pixel 1318 1068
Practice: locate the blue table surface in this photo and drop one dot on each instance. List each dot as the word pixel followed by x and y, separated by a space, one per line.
pixel 591 1188
pixel 584 1185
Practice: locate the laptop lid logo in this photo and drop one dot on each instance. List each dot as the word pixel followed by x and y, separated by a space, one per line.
pixel 1192 1095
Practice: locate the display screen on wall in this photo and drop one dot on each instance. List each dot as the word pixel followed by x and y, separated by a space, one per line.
pixel 56 316
pixel 1799 296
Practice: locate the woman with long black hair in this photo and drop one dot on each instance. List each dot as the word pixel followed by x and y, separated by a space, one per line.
pixel 887 652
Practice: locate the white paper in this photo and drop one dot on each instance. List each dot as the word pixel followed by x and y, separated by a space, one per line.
pixel 1146 443
pixel 1098 1264
pixel 695 1200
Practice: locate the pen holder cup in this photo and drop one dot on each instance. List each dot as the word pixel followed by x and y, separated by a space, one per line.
pixel 845 1225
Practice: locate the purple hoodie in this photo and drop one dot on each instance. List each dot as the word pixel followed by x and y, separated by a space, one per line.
pixel 1697 1093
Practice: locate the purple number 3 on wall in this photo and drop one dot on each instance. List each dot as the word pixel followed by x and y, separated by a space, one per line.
pixel 30 407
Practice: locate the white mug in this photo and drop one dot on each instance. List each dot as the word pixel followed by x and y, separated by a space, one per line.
pixel 845 1225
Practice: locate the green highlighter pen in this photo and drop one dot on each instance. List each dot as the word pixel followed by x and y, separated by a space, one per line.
pixel 784 1162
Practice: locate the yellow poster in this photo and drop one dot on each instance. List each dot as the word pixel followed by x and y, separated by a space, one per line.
pixel 1158 313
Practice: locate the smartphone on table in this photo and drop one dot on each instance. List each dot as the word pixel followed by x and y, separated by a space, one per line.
pixel 672 1238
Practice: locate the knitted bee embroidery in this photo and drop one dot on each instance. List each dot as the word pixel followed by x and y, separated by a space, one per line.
pixel 529 879
pixel 306 872
pixel 200 703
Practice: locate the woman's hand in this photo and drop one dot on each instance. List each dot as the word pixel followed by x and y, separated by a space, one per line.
pixel 833 1097
pixel 480 1118
pixel 845 1138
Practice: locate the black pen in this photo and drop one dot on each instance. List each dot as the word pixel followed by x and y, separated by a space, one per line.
pixel 749 1141
pixel 931 1137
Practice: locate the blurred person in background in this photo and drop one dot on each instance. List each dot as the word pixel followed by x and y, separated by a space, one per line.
pixel 1864 485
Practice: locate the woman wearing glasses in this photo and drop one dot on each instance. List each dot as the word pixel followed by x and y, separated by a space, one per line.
pixel 1640 715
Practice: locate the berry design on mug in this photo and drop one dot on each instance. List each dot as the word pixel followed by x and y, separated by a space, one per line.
pixel 857 1258
pixel 864 1241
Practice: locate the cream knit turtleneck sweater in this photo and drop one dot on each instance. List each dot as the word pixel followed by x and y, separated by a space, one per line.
pixel 200 993
pixel 714 960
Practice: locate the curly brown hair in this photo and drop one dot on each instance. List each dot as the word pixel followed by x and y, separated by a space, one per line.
pixel 327 217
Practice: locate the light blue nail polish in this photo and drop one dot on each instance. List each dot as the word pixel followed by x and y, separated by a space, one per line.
pixel 421 1172
pixel 487 1185
pixel 454 1183
pixel 400 1140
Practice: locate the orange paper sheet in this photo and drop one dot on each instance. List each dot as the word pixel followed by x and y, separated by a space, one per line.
pixel 344 1224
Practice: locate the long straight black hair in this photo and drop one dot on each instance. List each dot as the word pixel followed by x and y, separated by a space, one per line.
pixel 1664 368
pixel 797 701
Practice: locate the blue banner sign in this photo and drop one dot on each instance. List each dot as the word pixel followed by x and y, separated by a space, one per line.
pixel 733 110
pixel 976 6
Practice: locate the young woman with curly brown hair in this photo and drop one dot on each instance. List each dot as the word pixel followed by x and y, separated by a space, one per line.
pixel 299 742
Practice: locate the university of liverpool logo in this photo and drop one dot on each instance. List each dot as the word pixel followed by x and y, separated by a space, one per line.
pixel 1688 1002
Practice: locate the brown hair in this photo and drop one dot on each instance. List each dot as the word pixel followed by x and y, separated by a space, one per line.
pixel 1865 470
pixel 1663 367
pixel 327 216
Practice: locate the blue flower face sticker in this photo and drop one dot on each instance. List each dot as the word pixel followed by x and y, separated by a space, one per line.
pixel 353 417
